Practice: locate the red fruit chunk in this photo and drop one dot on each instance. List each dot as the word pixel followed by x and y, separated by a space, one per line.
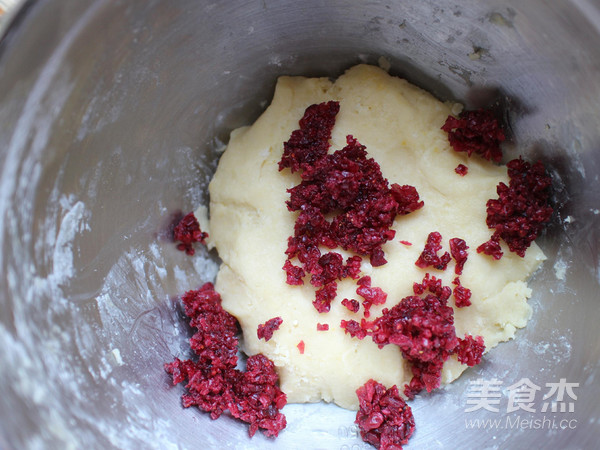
pixel 353 267
pixel 461 169
pixel 458 250
pixel 475 132
pixel 522 208
pixel 429 256
pixel 434 286
pixel 407 198
pixel 462 296
pixel 324 297
pixel 322 326
pixel 423 328
pixel 301 347
pixel 354 329
pixel 365 205
pixel 311 141
pixel 406 243
pixel 351 304
pixel 294 274
pixel 213 382
pixel 371 295
pixel 330 267
pixel 470 350
pixel 188 231
pixel 265 331
pixel 384 419
pixel 491 248
pixel 426 375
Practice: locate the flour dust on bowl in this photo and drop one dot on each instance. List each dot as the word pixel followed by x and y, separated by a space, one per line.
pixel 113 117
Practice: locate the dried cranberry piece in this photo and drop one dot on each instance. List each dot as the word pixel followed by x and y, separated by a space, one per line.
pixel 352 268
pixel 188 231
pixel 324 297
pixel 265 331
pixel 426 375
pixel 429 256
pixel 470 350
pixel 434 286
pixel 215 340
pixel 462 295
pixel 422 326
pixel 407 198
pixel 423 329
pixel 354 328
pixel 213 382
pixel 366 214
pixel 351 304
pixel 475 132
pixel 322 326
pixel 491 248
pixel 384 419
pixel 301 346
pixel 294 274
pixel 458 250
pixel 461 169
pixel 371 295
pixel 415 385
pixel 332 268
pixel 521 210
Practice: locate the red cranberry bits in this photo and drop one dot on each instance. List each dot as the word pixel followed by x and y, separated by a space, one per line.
pixel 521 210
pixel 384 419
pixel 429 256
pixel 188 231
pixel 347 186
pixel 422 326
pixel 475 132
pixel 265 331
pixel 213 382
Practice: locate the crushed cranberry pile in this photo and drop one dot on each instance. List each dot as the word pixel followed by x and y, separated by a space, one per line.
pixel 422 326
pixel 429 256
pixel 521 210
pixel 384 419
pixel 187 231
pixel 213 382
pixel 475 132
pixel 347 185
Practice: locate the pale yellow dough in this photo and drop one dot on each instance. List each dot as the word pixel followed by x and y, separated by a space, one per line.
pixel 249 225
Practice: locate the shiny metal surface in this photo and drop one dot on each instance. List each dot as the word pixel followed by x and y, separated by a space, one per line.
pixel 111 117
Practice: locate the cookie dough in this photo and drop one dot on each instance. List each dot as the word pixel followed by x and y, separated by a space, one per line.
pixel 250 224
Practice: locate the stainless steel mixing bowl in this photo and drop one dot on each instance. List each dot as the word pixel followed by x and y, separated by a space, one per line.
pixel 111 117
